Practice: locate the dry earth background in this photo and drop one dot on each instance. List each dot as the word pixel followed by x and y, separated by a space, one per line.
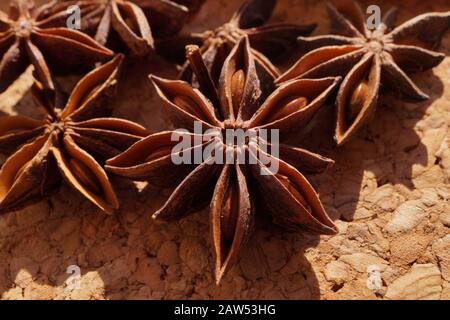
pixel 388 192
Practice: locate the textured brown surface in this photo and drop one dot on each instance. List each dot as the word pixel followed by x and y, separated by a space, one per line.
pixel 388 192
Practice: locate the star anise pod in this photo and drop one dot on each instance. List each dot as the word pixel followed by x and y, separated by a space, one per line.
pixel 236 104
pixel 129 23
pixel 73 139
pixel 26 37
pixel 267 40
pixel 369 59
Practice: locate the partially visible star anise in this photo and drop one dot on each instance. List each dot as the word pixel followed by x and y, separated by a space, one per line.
pixel 369 59
pixel 74 139
pixel 167 17
pixel 267 40
pixel 129 23
pixel 237 104
pixel 26 37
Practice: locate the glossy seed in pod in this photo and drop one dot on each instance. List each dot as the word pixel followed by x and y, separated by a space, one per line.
pixel 159 153
pixel 85 176
pixel 293 190
pixel 287 107
pixel 230 212
pixel 357 101
pixel 237 90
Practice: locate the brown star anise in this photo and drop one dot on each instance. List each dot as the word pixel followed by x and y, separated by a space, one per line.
pixel 272 40
pixel 236 104
pixel 126 22
pixel 72 139
pixel 26 37
pixel 370 58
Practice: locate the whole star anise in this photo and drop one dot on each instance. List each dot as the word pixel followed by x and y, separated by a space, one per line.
pixel 369 59
pixel 271 40
pixel 72 139
pixel 236 104
pixel 26 37
pixel 128 23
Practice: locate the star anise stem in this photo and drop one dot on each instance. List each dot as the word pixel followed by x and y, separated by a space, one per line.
pixel 203 76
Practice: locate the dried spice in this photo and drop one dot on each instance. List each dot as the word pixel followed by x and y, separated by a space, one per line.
pixel 237 103
pixel 128 25
pixel 26 37
pixel 73 139
pixel 370 58
pixel 271 40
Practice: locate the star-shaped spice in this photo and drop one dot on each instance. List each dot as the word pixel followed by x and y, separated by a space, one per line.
pixel 237 103
pixel 369 59
pixel 74 139
pixel 267 40
pixel 26 37
pixel 129 23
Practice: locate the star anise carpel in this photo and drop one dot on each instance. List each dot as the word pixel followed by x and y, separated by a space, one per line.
pixel 29 36
pixel 71 142
pixel 237 103
pixel 268 41
pixel 369 59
